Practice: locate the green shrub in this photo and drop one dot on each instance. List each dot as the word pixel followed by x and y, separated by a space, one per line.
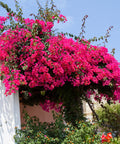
pixel 115 141
pixel 110 118
pixel 84 133
pixel 35 132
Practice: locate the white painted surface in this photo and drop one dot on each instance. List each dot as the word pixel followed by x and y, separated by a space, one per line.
pixel 9 116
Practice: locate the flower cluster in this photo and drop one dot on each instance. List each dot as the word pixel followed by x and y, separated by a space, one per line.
pixel 106 138
pixel 62 17
pixel 32 56
pixel 2 21
pixel 45 27
pixel 48 105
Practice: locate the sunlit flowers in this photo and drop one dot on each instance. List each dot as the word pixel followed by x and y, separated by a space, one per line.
pixel 106 138
pixel 32 56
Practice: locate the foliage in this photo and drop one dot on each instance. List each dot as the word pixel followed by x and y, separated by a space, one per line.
pixel 84 133
pixel 34 131
pixel 55 133
pixel 109 117
pixel 115 141
pixel 59 132
pixel 49 14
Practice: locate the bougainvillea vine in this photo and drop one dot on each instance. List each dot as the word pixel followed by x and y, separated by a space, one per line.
pixel 32 56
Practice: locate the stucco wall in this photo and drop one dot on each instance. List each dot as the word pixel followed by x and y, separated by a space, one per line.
pixel 87 110
pixel 36 111
pixel 9 116
pixel 47 116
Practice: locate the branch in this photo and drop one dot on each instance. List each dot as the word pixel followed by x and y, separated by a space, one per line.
pixel 88 101
pixel 5 6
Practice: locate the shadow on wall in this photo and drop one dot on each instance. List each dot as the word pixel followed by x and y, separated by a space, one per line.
pixel 37 111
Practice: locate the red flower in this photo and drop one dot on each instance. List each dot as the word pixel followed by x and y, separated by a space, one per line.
pixel 106 138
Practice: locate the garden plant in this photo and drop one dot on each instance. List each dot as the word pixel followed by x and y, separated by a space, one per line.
pixel 109 116
pixel 59 132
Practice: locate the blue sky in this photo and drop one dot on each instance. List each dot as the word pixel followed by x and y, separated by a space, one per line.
pixel 101 15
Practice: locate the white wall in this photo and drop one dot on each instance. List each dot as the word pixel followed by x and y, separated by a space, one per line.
pixel 9 116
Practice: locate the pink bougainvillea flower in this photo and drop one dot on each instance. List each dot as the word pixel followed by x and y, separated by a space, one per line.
pixel 53 17
pixel 62 16
pixel 34 57
pixel 2 21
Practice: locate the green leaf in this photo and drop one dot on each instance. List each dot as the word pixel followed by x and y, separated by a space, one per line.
pixel 42 93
